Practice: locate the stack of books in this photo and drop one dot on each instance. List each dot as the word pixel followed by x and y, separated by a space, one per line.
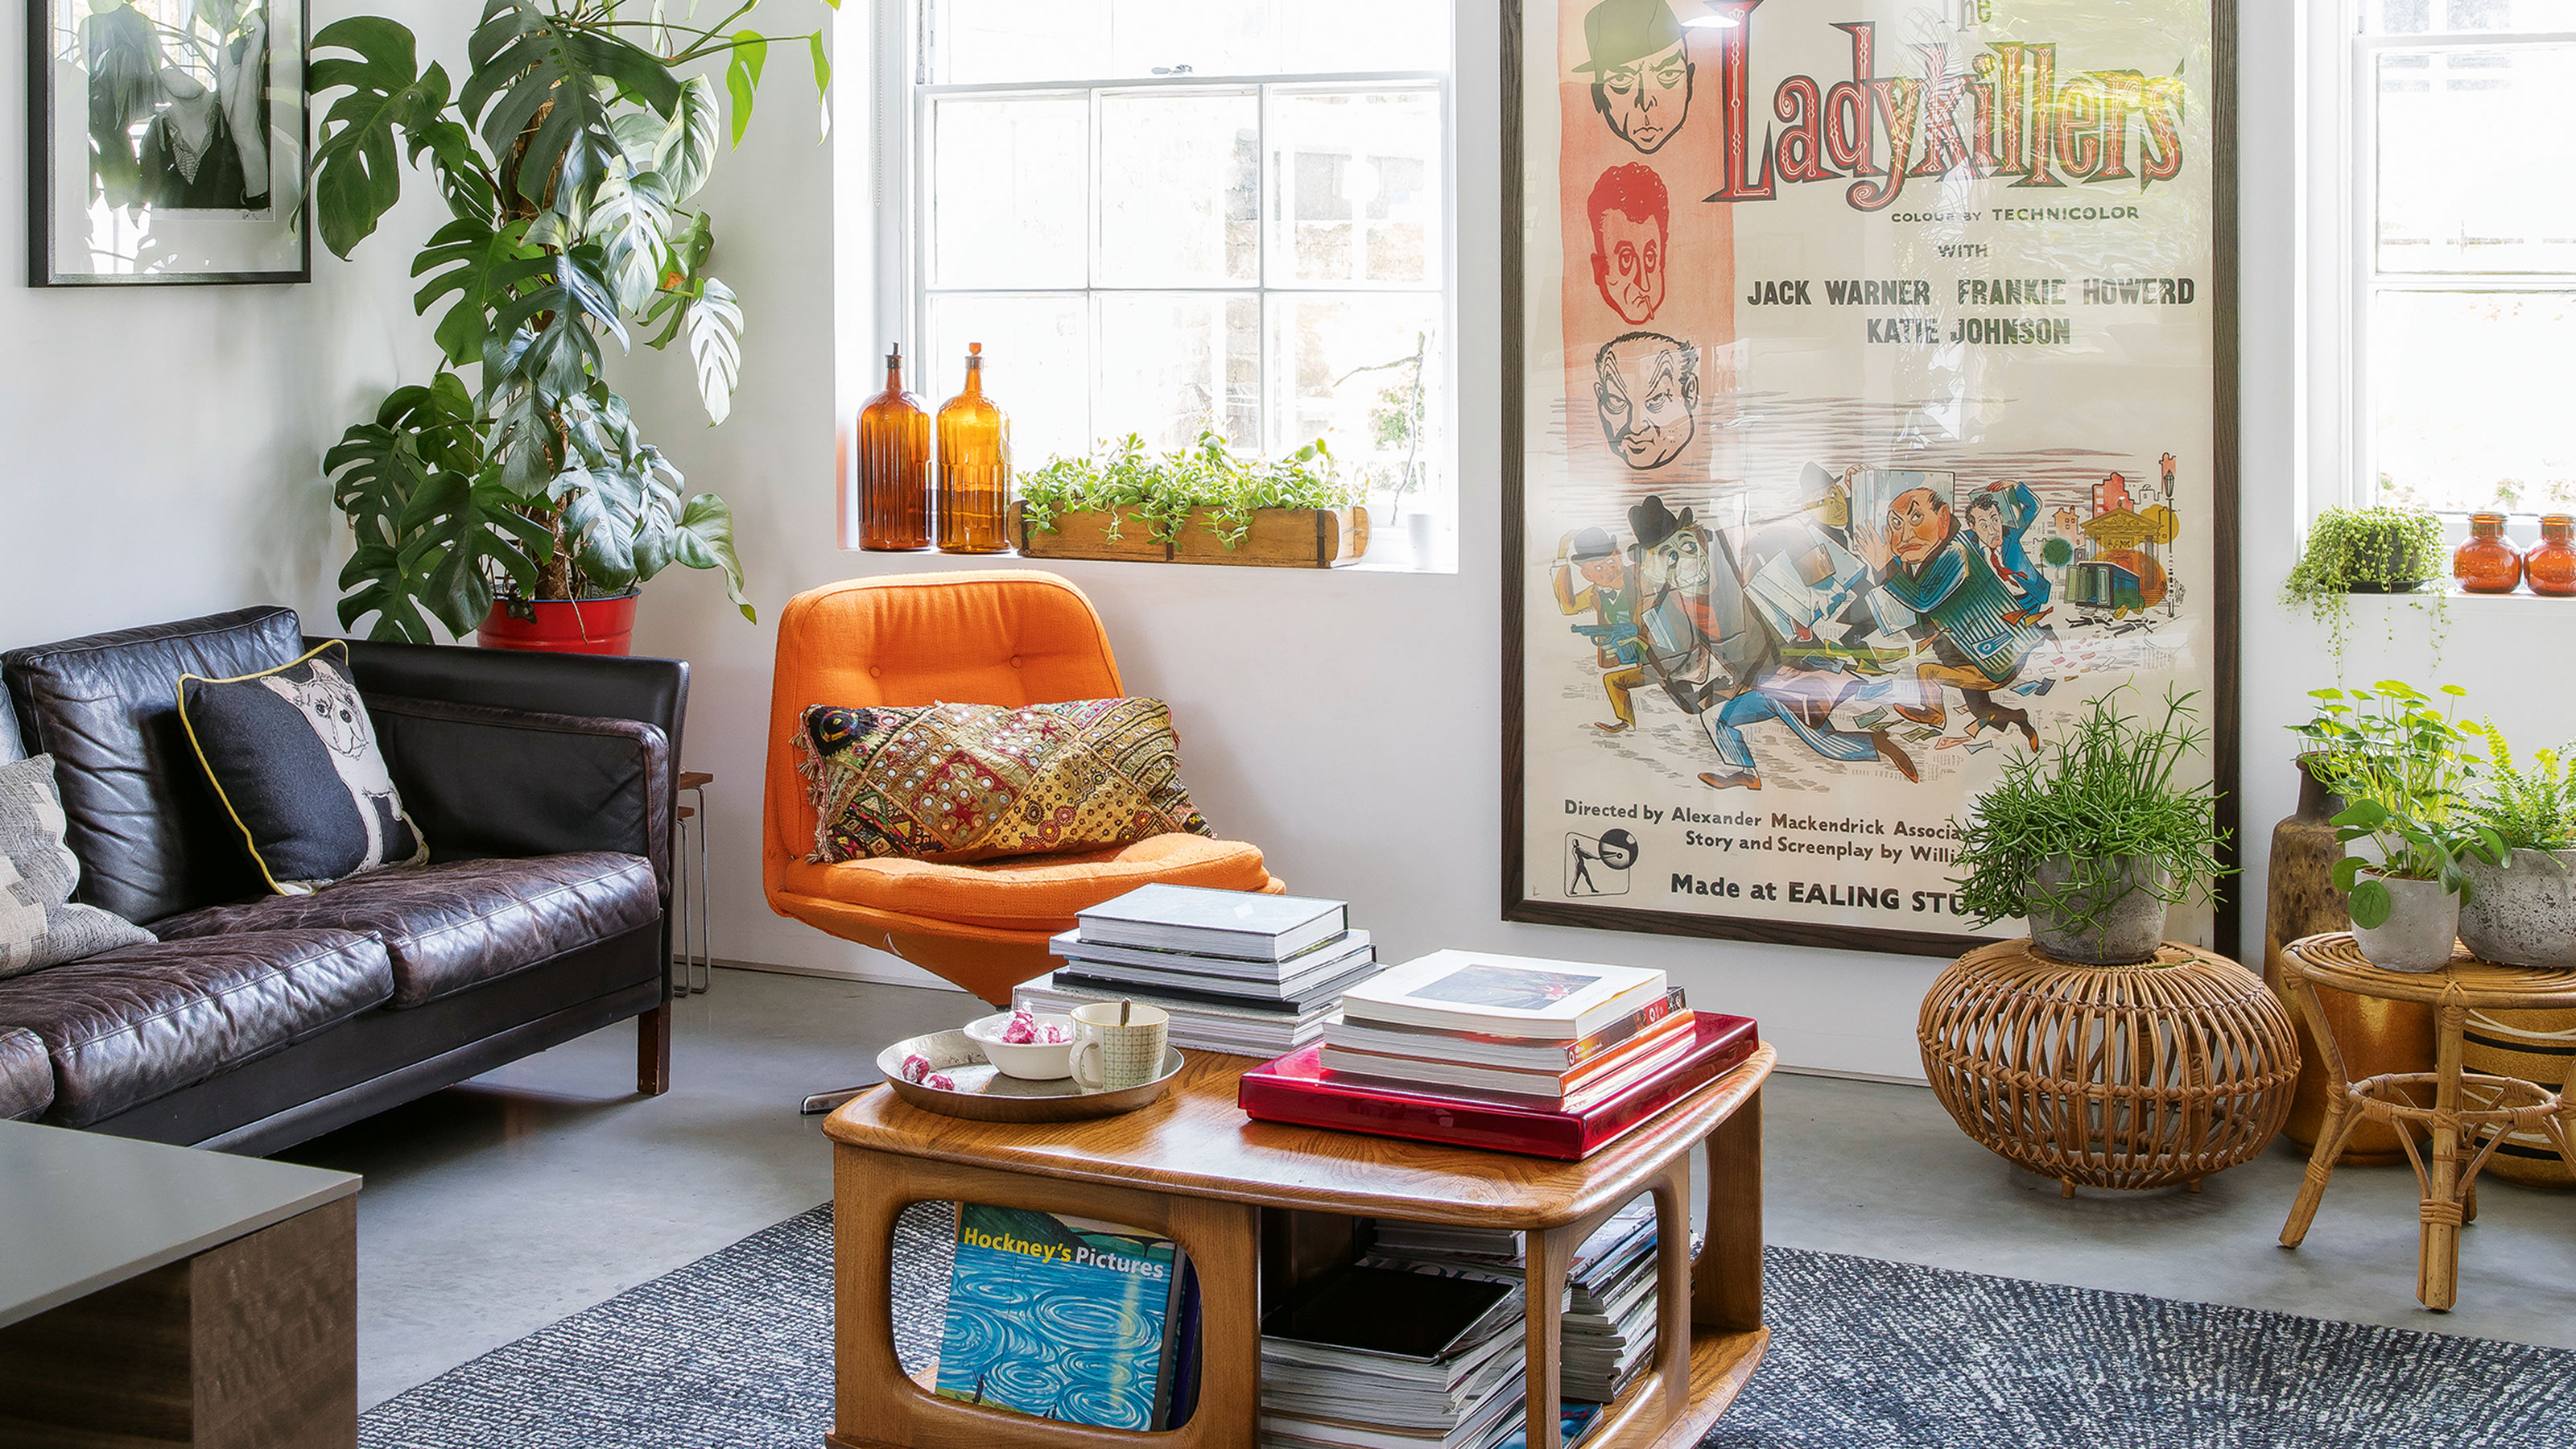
pixel 1552 1058
pixel 1607 1334
pixel 1381 1358
pixel 1247 974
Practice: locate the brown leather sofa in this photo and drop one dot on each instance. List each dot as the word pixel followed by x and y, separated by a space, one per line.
pixel 543 784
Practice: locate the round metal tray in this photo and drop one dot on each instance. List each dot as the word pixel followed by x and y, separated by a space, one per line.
pixel 984 1094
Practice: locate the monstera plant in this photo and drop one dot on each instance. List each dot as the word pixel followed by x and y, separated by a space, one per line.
pixel 567 160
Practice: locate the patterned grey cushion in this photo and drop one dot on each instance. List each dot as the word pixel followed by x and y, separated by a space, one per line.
pixel 39 926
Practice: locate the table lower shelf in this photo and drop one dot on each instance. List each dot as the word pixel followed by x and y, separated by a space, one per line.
pixel 1721 1363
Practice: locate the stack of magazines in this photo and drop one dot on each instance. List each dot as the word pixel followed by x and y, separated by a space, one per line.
pixel 1545 1057
pixel 1607 1332
pixel 1242 973
pixel 1379 1358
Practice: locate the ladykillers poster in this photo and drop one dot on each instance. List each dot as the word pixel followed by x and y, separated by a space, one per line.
pixel 1867 432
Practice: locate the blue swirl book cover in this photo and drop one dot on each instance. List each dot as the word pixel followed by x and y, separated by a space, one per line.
pixel 1061 1317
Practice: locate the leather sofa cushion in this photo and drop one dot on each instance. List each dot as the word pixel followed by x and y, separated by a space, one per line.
pixel 131 1025
pixel 26 1074
pixel 454 926
pixel 1028 892
pixel 152 838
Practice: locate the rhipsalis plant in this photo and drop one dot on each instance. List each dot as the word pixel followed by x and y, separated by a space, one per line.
pixel 2378 550
pixel 567 160
pixel 2108 789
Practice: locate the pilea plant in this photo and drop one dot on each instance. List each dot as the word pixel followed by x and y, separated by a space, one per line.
pixel 566 161
pixel 1165 491
pixel 2377 550
pixel 2107 788
pixel 2404 764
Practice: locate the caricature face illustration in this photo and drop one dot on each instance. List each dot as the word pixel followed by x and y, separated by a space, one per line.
pixel 1986 519
pixel 1600 573
pixel 1641 70
pixel 1647 388
pixel 1631 217
pixel 1679 563
pixel 1918 523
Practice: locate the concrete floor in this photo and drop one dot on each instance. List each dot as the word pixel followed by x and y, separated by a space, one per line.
pixel 497 1207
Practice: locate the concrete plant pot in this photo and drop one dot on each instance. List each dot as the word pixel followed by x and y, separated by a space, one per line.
pixel 2423 925
pixel 2128 928
pixel 2523 912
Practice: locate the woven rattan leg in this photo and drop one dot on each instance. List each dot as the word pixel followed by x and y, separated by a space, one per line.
pixel 2342 1115
pixel 2437 1260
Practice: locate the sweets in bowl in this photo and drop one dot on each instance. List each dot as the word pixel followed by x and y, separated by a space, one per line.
pixel 1032 1047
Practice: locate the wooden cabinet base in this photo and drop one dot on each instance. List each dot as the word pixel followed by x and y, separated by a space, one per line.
pixel 249 1345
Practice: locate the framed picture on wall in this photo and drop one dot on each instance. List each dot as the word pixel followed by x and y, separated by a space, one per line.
pixel 1869 410
pixel 166 142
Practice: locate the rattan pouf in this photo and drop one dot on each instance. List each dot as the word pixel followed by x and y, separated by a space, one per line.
pixel 2110 1076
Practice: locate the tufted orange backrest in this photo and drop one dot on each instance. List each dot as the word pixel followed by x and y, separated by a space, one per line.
pixel 1001 636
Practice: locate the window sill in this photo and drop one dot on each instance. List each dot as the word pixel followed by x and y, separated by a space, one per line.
pixel 2457 598
pixel 1380 559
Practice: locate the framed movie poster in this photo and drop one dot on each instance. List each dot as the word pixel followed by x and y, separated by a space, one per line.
pixel 166 142
pixel 1869 412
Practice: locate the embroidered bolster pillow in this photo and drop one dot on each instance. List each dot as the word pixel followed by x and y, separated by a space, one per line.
pixel 967 782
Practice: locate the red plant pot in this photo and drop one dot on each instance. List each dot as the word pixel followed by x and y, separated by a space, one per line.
pixel 561 626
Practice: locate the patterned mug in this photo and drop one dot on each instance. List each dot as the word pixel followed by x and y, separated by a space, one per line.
pixel 1110 1057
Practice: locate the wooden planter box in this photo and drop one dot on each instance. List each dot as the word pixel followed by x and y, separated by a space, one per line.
pixel 1285 538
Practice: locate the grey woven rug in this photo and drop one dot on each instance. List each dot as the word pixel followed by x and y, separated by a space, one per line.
pixel 734 1352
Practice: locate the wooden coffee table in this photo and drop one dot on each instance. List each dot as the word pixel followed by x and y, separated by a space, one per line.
pixel 1261 1207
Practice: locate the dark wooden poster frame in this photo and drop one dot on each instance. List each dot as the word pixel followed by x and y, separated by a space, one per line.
pixel 2222 715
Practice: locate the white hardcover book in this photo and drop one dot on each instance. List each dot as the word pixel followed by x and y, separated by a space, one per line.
pixel 1502 996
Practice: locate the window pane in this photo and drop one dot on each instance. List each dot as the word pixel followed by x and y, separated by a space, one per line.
pixel 1348 35
pixel 1030 345
pixel 1358 185
pixel 1172 364
pixel 2451 17
pixel 1179 190
pixel 1006 188
pixel 2462 135
pixel 2467 391
pixel 1363 372
pixel 982 42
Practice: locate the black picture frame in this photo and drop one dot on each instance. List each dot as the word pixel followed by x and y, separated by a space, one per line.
pixel 201 244
pixel 2221 714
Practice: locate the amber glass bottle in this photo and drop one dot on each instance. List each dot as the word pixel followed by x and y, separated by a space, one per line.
pixel 894 466
pixel 974 467
pixel 2486 564
pixel 2551 563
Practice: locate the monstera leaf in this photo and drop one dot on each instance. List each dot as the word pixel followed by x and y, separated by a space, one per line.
pixel 432 525
pixel 631 221
pixel 466 254
pixel 123 52
pixel 715 343
pixel 546 335
pixel 357 171
pixel 540 93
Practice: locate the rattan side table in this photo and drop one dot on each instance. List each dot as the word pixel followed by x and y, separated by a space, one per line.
pixel 2472 1112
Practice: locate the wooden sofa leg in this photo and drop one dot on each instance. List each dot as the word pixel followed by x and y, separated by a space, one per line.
pixel 653 1051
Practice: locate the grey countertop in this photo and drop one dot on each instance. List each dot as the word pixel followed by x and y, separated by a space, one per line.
pixel 80 1210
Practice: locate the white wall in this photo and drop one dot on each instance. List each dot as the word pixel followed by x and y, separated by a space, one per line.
pixel 1347 723
pixel 166 442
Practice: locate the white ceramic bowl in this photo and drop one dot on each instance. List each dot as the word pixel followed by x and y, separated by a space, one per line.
pixel 1029 1061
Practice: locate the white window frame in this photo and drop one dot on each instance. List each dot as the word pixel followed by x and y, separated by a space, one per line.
pixel 2341 252
pixel 903 160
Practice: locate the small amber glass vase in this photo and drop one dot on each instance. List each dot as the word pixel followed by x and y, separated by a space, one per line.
pixel 2551 563
pixel 974 467
pixel 894 467
pixel 2486 564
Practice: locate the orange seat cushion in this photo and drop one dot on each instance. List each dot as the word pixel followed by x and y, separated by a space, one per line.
pixel 1028 892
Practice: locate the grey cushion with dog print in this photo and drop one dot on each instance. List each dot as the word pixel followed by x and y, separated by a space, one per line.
pixel 39 926
pixel 294 756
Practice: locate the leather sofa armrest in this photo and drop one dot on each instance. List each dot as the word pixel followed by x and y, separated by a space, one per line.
pixel 481 780
pixel 26 1074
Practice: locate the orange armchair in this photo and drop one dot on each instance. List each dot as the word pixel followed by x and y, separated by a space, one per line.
pixel 1007 637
